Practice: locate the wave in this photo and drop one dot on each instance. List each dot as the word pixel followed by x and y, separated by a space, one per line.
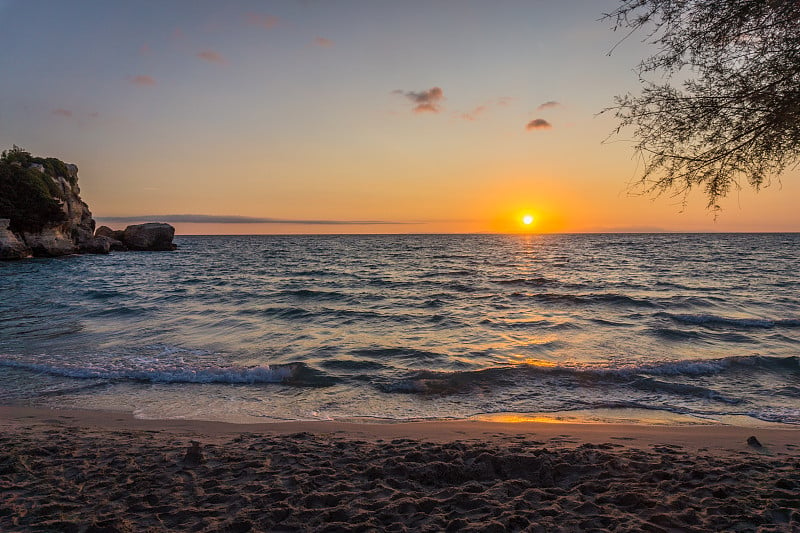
pixel 672 334
pixel 300 314
pixel 587 299
pixel 678 301
pixel 315 273
pixel 646 377
pixel 297 374
pixel 124 311
pixel 102 294
pixel 352 365
pixel 449 273
pixel 288 313
pixel 780 416
pixel 400 354
pixel 610 323
pixel 433 303
pixel 682 389
pixel 310 294
pixel 743 323
pixel 700 367
pixel 441 383
pixel 459 287
pixel 527 282
pixel 518 324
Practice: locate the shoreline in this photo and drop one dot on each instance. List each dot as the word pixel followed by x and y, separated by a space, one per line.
pixel 72 470
pixel 694 434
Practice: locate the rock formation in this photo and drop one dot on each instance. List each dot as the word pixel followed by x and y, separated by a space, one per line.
pixel 151 236
pixel 42 214
pixel 154 236
pixel 10 245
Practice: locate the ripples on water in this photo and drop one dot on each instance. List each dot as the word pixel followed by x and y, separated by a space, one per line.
pixel 398 327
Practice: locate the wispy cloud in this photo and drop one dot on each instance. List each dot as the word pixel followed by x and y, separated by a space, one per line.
pixel 265 21
pixel 424 101
pixel 538 124
pixel 548 105
pixel 323 42
pixel 212 57
pixel 143 80
pixel 473 115
pixel 234 219
pixel 61 112
pixel 485 108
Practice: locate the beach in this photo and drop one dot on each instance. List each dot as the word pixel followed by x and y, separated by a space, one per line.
pixel 74 470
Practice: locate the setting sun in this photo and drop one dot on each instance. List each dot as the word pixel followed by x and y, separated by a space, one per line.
pixel 527 220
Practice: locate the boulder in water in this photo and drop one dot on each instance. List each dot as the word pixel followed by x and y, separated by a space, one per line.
pixel 114 236
pixel 96 245
pixel 154 236
pixel 105 231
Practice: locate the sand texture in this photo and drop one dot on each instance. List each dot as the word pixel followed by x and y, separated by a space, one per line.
pixel 68 474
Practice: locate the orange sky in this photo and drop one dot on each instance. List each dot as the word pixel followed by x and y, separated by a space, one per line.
pixel 458 116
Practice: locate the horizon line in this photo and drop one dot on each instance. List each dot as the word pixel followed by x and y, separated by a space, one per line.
pixel 669 232
pixel 237 219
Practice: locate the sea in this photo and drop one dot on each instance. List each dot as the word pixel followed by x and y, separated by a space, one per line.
pixel 694 328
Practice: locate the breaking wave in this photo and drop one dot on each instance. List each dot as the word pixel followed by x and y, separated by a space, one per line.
pixel 298 374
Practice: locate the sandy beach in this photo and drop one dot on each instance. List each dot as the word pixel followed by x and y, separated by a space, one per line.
pixel 103 471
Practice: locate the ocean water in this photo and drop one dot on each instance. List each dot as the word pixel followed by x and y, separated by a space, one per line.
pixel 407 327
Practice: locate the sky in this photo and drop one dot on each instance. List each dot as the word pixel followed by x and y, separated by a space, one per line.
pixel 323 116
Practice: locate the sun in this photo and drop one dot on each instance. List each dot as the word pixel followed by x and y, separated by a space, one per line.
pixel 527 220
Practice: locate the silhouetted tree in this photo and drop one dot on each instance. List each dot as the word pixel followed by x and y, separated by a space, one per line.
pixel 727 106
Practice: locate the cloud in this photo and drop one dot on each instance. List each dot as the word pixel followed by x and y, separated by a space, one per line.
pixel 426 101
pixel 265 21
pixel 485 108
pixel 145 50
pixel 538 124
pixel 143 80
pixel 235 219
pixel 548 105
pixel 473 115
pixel 61 112
pixel 212 57
pixel 323 42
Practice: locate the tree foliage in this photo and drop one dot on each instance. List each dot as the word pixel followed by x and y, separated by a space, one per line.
pixel 16 154
pixel 28 197
pixel 735 113
pixel 52 167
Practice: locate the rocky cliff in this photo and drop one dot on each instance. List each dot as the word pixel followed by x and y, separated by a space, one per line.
pixel 42 214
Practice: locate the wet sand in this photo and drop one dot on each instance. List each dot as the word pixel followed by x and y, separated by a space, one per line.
pixel 99 471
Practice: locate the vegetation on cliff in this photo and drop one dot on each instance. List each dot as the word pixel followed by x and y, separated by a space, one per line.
pixel 28 197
